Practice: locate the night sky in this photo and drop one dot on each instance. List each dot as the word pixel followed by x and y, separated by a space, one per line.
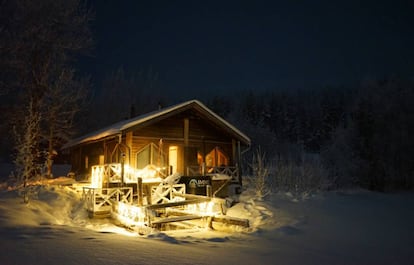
pixel 228 45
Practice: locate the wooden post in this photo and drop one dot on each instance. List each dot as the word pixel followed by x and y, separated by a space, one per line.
pixel 234 159
pixel 128 142
pixel 148 194
pixel 122 169
pixel 203 169
pixel 186 131
pixel 185 162
pixel 209 191
pixel 238 164
pixel 140 192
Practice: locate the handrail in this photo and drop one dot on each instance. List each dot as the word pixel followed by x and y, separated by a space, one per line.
pixel 231 171
pixel 112 173
pixel 96 199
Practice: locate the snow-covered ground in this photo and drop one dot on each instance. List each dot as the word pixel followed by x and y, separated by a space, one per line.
pixel 353 227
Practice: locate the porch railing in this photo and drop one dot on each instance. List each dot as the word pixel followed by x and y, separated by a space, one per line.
pixel 164 193
pixel 101 199
pixel 112 173
pixel 233 172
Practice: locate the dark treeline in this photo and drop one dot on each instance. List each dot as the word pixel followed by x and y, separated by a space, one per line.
pixel 122 94
pixel 325 138
pixel 313 138
pixel 41 92
pixel 331 137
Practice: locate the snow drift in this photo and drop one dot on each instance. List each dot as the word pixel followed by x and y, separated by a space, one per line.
pixel 353 227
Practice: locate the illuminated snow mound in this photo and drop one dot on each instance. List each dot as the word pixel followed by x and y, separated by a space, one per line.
pixel 347 227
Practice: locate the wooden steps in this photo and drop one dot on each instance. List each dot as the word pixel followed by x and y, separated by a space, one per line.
pixel 99 214
pixel 168 215
pixel 175 204
pixel 159 221
pixel 176 219
pixel 231 220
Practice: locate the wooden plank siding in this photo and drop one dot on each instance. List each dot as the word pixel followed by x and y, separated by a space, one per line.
pixel 192 128
pixel 202 138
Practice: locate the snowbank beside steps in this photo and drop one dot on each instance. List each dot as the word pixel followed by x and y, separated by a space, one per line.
pixel 56 203
pixel 52 205
pixel 347 227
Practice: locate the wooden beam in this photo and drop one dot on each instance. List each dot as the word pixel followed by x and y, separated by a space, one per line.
pixel 176 219
pixel 234 159
pixel 186 131
pixel 231 220
pixel 199 197
pixel 128 142
pixel 140 191
pixel 174 204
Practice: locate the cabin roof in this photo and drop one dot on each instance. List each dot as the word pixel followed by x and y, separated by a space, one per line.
pixel 126 125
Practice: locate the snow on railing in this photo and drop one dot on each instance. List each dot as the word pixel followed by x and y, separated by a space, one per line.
pixel 100 200
pixel 233 172
pixel 129 215
pixel 164 193
pixel 112 173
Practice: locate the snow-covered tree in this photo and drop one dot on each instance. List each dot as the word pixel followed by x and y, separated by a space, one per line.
pixel 260 180
pixel 27 151
pixel 40 40
pixel 62 101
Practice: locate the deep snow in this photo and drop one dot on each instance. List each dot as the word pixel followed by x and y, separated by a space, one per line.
pixel 349 227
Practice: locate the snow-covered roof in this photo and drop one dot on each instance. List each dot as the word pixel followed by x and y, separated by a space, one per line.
pixel 122 126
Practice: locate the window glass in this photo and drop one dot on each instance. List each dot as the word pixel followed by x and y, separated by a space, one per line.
pixel 216 158
pixel 151 154
pixel 143 157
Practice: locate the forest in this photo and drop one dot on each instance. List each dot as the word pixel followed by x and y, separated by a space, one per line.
pixel 307 139
pixel 310 139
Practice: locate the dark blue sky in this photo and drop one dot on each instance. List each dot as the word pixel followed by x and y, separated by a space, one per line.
pixel 228 45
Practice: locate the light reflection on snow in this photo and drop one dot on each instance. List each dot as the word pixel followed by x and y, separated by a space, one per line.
pixel 203 208
pixel 116 230
pixel 130 215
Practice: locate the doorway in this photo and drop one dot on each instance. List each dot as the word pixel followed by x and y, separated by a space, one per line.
pixel 173 159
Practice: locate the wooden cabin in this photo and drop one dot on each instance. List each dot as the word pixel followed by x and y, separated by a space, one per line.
pixel 187 139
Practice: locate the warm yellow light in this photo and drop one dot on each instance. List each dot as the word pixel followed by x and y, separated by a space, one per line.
pixel 173 158
pixel 146 173
pixel 97 177
pixel 203 208
pixel 130 215
pixel 113 173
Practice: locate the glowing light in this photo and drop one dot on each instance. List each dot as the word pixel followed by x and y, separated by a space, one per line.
pixel 113 172
pixel 203 208
pixel 97 177
pixel 130 215
pixel 146 173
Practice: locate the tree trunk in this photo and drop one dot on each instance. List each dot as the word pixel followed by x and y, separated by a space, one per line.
pixel 50 154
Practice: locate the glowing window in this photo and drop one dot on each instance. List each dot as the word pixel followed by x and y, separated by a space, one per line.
pixel 101 160
pixel 216 157
pixel 173 158
pixel 151 154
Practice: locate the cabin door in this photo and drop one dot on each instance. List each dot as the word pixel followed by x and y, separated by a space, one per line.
pixel 173 159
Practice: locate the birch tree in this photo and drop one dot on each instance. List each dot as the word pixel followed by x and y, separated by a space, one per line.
pixel 62 101
pixel 27 153
pixel 40 41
